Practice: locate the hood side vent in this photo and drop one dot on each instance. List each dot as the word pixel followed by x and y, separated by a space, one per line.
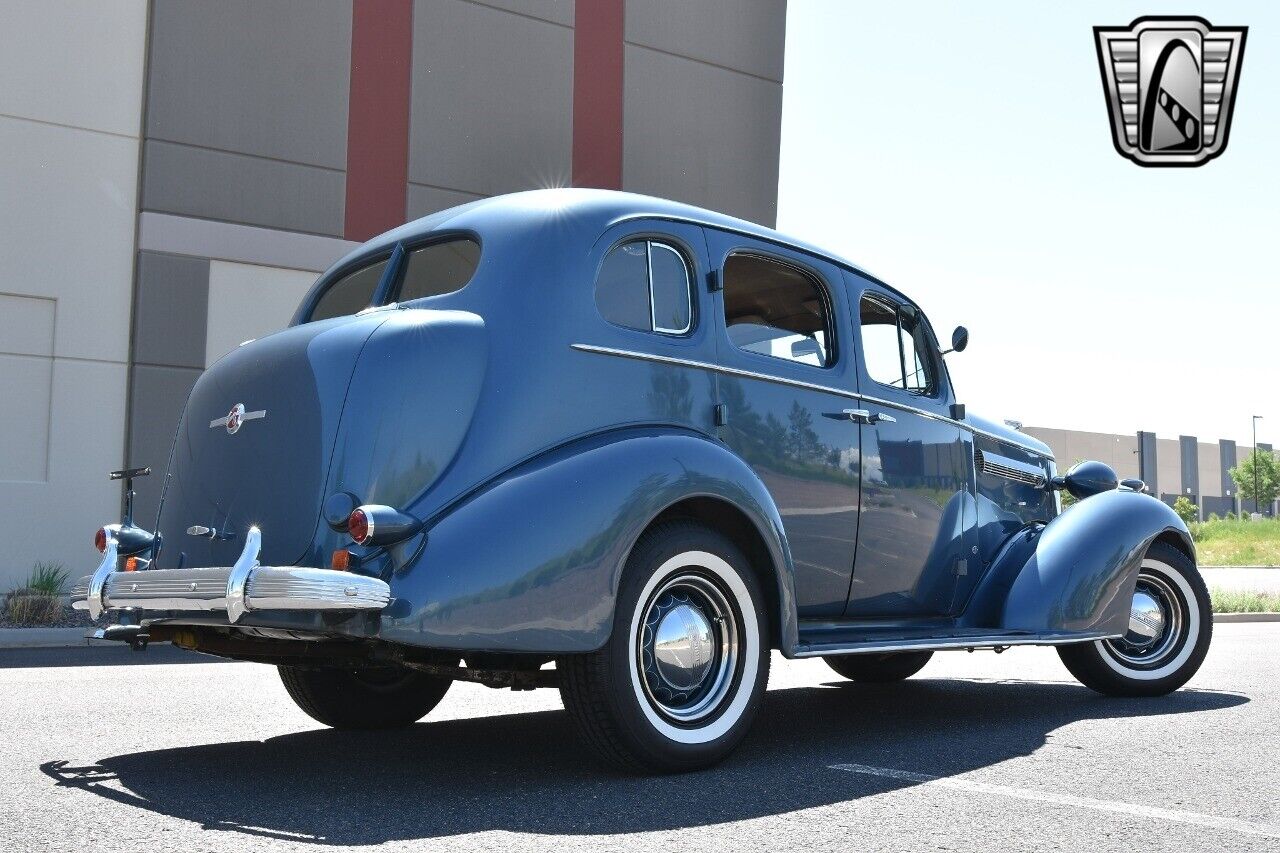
pixel 1010 469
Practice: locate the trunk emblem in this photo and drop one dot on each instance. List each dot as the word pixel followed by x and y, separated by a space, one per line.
pixel 236 418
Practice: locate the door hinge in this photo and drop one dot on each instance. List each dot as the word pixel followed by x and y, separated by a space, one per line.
pixel 713 281
pixel 721 414
pixel 962 568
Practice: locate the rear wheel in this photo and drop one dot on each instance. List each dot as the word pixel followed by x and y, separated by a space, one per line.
pixel 678 684
pixel 364 698
pixel 1170 626
pixel 879 669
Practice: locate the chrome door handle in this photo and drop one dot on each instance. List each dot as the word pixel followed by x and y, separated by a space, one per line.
pixel 863 416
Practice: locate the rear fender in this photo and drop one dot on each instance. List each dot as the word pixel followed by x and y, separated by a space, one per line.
pixel 532 562
pixel 1076 574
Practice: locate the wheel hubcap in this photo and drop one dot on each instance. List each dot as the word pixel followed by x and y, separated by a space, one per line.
pixel 1156 624
pixel 683 649
pixel 688 648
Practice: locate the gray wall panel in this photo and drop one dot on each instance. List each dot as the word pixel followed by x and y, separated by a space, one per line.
pixel 171 312
pixel 159 394
pixel 556 11
pixel 255 77
pixel 1188 454
pixel 747 37
pixel 718 132
pixel 492 102
pixel 236 188
pixel 424 200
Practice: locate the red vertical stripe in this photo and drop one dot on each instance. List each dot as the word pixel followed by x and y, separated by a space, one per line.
pixel 378 116
pixel 597 93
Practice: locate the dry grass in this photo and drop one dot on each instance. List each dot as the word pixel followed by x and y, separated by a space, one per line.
pixel 33 607
pixel 1237 601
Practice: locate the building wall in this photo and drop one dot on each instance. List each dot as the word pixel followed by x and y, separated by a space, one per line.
pixel 1071 446
pixel 69 129
pixel 205 156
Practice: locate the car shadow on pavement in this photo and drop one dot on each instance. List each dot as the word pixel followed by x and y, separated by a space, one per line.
pixel 529 773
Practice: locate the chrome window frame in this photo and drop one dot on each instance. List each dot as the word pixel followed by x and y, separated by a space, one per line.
pixel 688 288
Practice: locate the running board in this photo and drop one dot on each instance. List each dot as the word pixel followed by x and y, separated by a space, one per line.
pixel 929 644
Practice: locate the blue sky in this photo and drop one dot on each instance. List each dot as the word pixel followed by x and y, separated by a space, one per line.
pixel 962 152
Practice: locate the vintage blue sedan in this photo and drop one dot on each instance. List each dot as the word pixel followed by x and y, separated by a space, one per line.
pixel 624 447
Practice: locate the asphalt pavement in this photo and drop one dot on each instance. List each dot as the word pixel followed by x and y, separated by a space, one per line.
pixel 165 750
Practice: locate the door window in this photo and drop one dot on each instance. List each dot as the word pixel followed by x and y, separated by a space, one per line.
pixel 774 309
pixel 895 346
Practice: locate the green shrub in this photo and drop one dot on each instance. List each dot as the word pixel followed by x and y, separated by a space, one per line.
pixel 50 578
pixel 1186 510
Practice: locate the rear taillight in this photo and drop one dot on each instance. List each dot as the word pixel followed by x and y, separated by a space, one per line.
pixel 359 526
pixel 100 540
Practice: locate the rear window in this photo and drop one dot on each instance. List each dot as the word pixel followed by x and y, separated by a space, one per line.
pixel 349 294
pixel 439 268
pixel 645 285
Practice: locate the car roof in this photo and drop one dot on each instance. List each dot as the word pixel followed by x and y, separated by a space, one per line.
pixel 601 208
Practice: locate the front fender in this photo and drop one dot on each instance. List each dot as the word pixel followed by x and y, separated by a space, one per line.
pixel 1076 574
pixel 532 562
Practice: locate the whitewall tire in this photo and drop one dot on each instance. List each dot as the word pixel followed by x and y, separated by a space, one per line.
pixel 1170 627
pixel 679 682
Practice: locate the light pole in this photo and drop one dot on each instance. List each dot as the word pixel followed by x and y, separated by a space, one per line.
pixel 1256 418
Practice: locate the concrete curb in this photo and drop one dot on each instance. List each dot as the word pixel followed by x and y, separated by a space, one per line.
pixel 1246 617
pixel 42 638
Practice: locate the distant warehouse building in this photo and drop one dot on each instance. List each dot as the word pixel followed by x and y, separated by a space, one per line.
pixel 1186 467
pixel 177 172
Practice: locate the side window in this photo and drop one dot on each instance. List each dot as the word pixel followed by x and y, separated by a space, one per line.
pixel 439 268
pixel 774 309
pixel 349 294
pixel 895 346
pixel 644 284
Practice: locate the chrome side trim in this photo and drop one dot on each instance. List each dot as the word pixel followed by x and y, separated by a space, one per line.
pixel 1010 469
pixel 937 644
pixel 812 386
pixel 650 245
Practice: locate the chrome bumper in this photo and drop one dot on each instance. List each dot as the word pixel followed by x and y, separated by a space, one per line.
pixel 235 590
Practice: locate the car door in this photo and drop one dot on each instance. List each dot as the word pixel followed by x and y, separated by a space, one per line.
pixel 785 352
pixel 916 528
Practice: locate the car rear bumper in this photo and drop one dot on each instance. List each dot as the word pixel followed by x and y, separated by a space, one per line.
pixel 231 590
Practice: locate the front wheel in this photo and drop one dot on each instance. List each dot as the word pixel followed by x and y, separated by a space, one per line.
pixel 1170 625
pixel 678 684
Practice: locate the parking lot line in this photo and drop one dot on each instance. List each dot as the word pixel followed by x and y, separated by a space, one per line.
pixel 1213 822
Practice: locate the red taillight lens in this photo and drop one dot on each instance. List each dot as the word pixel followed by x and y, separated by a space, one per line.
pixel 100 540
pixel 358 526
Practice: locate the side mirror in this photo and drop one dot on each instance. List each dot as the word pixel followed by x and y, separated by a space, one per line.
pixel 959 339
pixel 805 346
pixel 1085 479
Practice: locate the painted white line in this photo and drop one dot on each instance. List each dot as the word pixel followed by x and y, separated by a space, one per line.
pixel 1195 818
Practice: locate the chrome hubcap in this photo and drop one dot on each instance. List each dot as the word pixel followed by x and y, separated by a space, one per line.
pixel 687 650
pixel 683 648
pixel 1157 620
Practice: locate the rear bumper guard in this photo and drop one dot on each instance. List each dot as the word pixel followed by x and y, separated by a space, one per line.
pixel 235 590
